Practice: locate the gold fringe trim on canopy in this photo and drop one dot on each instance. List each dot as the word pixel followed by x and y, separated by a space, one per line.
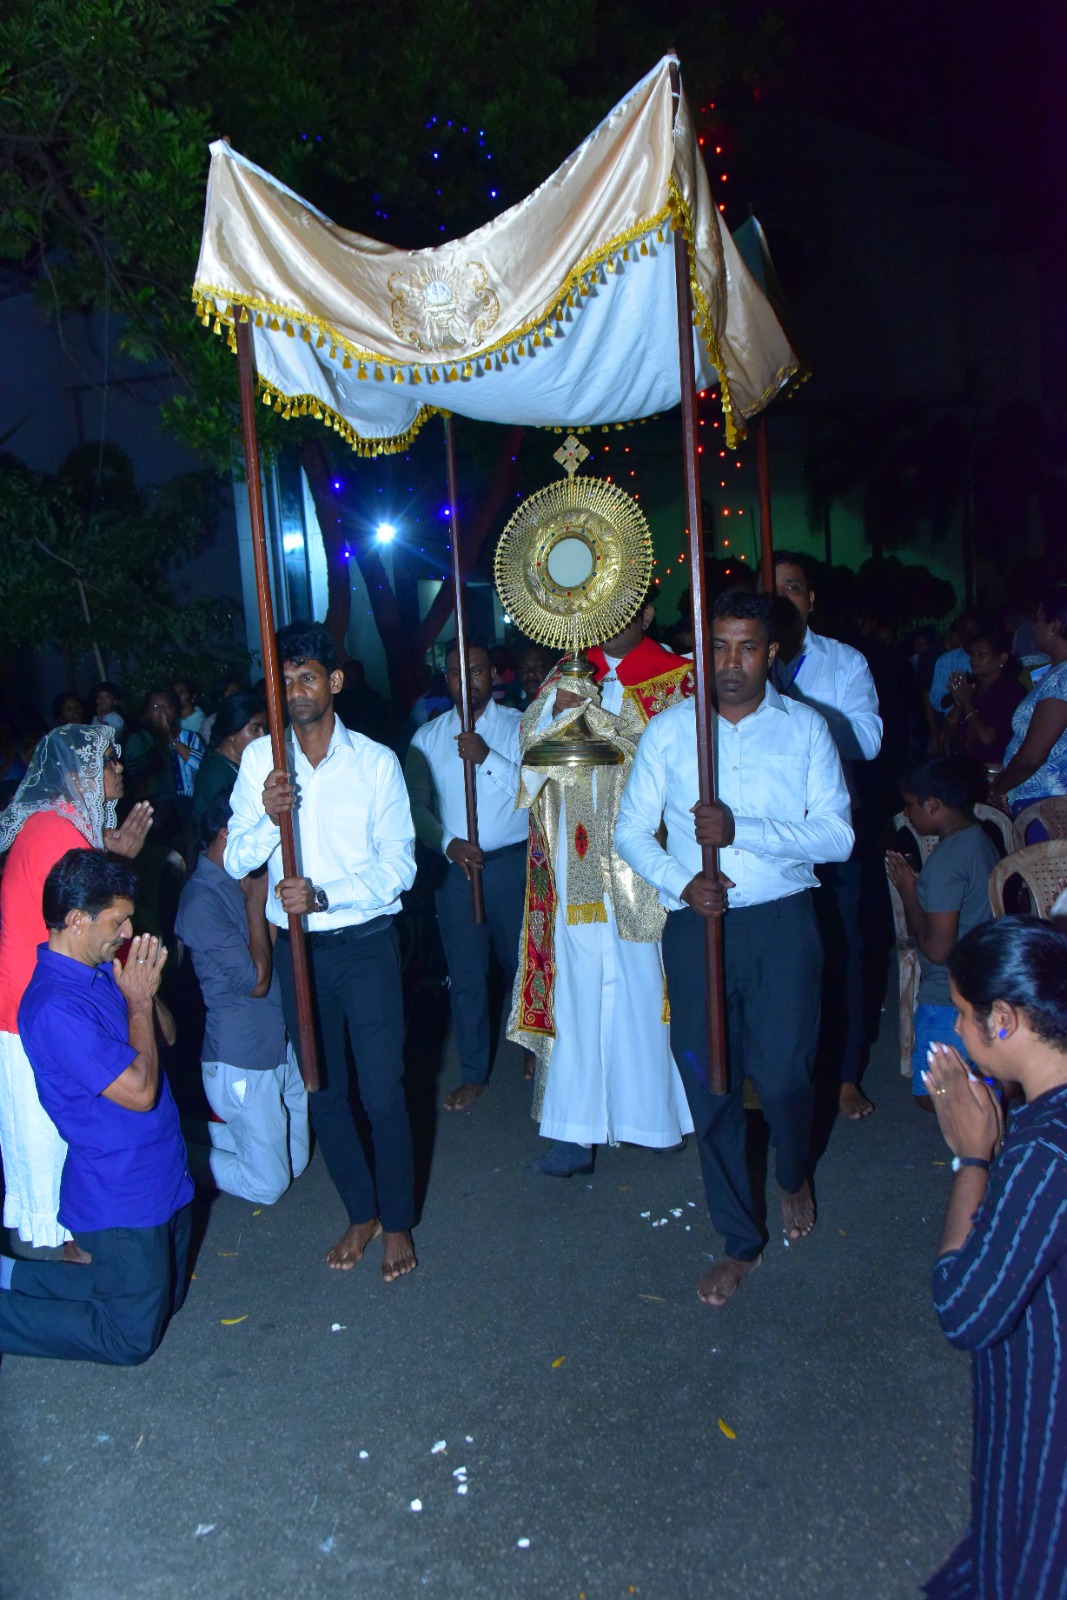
pixel 309 405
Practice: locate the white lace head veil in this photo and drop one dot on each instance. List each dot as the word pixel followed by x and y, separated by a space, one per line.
pixel 65 775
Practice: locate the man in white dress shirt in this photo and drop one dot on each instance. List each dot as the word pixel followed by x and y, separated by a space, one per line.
pixel 782 806
pixel 434 772
pixel 836 680
pixel 356 848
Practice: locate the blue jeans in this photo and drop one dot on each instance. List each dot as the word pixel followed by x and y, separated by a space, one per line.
pixel 933 1025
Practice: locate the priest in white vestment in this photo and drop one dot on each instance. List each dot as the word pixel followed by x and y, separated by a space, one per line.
pixel 589 998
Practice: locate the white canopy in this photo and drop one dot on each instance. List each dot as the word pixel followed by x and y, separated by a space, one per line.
pixel 561 312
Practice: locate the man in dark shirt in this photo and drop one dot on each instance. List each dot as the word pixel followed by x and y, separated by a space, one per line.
pixel 88 1027
pixel 252 1083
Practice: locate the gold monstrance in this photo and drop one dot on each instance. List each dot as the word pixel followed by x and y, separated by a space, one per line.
pixel 572 567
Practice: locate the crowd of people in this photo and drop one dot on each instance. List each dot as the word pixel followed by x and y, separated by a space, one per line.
pixel 597 892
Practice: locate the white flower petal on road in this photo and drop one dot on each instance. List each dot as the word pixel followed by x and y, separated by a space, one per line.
pixel 676 1212
pixel 202 1528
pixel 522 1544
pixel 364 1455
pixel 459 1472
pixel 416 1505
pixel 646 1215
pixel 470 1438
pixel 439 1447
pixel 339 1327
pixel 461 1488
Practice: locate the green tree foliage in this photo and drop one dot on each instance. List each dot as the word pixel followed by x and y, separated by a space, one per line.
pixel 85 563
pixel 107 108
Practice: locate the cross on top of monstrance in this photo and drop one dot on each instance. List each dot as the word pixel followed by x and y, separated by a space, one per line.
pixel 570 455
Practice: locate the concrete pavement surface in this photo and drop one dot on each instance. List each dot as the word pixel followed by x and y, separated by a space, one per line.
pixel 616 1438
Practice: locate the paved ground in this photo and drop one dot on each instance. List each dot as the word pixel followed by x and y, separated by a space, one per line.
pixel 552 1339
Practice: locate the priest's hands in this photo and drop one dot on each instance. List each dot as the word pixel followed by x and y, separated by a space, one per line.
pixel 707 896
pixel 565 700
pixel 714 824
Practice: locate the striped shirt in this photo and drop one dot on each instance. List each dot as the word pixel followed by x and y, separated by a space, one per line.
pixel 1003 1297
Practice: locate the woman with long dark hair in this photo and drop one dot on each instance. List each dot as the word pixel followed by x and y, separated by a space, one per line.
pixel 1000 1284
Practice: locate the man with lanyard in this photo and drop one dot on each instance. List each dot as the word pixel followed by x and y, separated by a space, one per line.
pixel 88 1025
pixel 356 846
pixel 589 997
pixel 836 680
pixel 434 772
pixel 782 805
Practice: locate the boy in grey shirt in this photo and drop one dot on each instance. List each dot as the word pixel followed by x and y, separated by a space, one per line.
pixel 949 897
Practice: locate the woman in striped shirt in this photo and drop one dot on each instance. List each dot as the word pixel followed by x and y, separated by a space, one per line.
pixel 1000 1284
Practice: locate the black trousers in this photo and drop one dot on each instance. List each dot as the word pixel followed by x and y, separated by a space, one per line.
pixel 115 1310
pixel 355 980
pixel 837 908
pixel 773 960
pixel 466 946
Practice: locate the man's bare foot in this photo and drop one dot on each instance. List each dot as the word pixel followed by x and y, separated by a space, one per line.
pixel 798 1212
pixel 398 1255
pixel 463 1098
pixel 853 1103
pixel 74 1253
pixel 529 1065
pixel 352 1243
pixel 724 1279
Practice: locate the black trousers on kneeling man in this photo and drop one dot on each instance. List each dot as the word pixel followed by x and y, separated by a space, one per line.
pixel 773 961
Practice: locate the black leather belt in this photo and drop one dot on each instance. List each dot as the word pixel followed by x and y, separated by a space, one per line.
pixel 350 934
pixel 505 850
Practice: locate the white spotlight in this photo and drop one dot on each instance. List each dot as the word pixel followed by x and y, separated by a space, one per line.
pixel 385 533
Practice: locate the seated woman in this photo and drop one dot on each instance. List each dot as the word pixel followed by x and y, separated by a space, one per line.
pixel 1035 761
pixel 239 719
pixel 1000 1284
pixel 984 700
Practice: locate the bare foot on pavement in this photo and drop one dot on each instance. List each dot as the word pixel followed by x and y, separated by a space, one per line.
pixel 724 1279
pixel 398 1255
pixel 352 1243
pixel 798 1212
pixel 463 1098
pixel 853 1103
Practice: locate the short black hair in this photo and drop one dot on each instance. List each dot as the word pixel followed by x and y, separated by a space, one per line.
pixel 236 710
pixel 105 683
pixel 452 648
pixel 60 700
pixel 1021 961
pixel 216 816
pixel 190 684
pixel 306 641
pixel 1052 601
pixel 796 558
pixel 957 782
pixel 85 880
pixel 747 608
pixel 993 633
pixel 164 692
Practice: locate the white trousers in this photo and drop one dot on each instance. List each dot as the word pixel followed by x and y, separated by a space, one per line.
pixel 262 1141
pixel 32 1149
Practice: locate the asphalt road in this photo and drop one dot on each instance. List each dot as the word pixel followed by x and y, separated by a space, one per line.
pixel 807 1442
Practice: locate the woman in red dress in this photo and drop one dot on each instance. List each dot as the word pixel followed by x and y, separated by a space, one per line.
pixel 66 801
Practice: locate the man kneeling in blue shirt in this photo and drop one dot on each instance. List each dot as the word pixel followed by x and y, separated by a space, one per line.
pixel 87 1025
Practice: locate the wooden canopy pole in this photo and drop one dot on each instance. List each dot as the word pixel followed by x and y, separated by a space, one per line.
pixel 466 715
pixel 713 956
pixel 309 1060
pixel 763 473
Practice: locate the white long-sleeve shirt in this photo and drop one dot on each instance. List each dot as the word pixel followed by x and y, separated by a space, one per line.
pixel 835 679
pixel 779 773
pixel 354 834
pixel 434 770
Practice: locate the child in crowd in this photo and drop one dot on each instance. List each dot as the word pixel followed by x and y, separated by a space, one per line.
pixel 949 897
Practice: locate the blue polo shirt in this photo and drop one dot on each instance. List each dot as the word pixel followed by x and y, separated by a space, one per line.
pixel 124 1169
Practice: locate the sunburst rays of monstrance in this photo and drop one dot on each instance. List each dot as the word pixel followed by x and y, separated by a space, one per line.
pixel 572 567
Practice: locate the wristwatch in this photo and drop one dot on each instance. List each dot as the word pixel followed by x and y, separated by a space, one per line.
pixel 958 1162
pixel 322 900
